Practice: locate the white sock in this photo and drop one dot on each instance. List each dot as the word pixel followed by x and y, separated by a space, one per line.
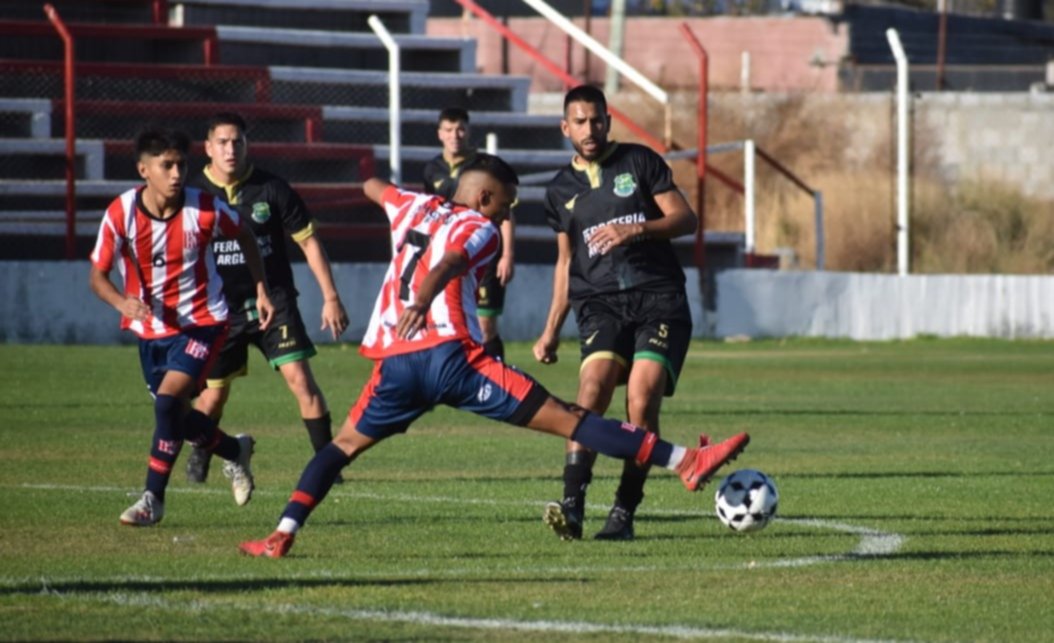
pixel 288 526
pixel 676 457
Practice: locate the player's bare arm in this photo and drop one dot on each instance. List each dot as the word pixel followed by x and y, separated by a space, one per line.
pixel 414 316
pixel 506 265
pixel 104 289
pixel 247 241
pixel 678 220
pixel 546 346
pixel 334 317
pixel 373 188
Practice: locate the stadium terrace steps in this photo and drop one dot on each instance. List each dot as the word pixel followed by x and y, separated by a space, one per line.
pixel 312 82
pixel 398 16
pixel 981 54
pixel 317 48
pixel 369 88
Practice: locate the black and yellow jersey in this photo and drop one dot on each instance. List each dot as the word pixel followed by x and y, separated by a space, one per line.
pixel 441 177
pixel 619 187
pixel 273 209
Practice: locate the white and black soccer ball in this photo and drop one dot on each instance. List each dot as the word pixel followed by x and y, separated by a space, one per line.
pixel 746 500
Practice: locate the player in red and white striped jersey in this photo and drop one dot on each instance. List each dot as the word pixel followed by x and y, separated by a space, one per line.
pixel 424 228
pixel 427 350
pixel 159 237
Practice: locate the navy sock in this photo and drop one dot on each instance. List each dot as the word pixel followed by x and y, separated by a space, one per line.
pixel 315 482
pixel 617 439
pixel 320 431
pixel 166 445
pixel 204 432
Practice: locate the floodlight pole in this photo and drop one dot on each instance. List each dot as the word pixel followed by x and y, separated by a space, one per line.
pixel 902 150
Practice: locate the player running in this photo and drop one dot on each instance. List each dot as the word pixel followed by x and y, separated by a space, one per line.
pixel 159 236
pixel 424 339
pixel 274 211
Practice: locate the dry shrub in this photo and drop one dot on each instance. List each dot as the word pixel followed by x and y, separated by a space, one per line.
pixel 975 226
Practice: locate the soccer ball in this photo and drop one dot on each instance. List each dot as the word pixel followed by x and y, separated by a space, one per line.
pixel 746 500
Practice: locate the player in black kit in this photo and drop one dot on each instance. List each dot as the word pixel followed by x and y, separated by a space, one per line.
pixel 440 177
pixel 614 209
pixel 273 210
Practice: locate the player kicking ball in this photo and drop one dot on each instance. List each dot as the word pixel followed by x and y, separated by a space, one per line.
pixel 424 339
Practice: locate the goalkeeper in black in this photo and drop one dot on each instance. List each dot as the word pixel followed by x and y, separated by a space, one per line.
pixel 615 209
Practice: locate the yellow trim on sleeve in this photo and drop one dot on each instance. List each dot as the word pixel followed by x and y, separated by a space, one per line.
pixel 307 231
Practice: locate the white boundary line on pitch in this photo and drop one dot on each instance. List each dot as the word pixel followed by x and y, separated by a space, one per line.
pixel 872 542
pixel 430 619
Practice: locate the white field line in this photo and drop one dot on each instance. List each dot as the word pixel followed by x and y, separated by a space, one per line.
pixel 142 600
pixel 872 543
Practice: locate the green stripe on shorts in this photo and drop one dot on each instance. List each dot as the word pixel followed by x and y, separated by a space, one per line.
pixel 291 357
pixel 660 358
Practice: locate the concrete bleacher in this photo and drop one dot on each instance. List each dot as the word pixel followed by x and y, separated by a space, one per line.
pixel 981 54
pixel 311 81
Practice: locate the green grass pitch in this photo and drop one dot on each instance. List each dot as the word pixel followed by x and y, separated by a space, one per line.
pixel 916 503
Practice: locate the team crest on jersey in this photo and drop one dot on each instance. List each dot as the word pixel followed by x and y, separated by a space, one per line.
pixel 624 185
pixel 261 212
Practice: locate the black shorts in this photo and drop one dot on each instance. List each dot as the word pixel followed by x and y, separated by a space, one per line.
pixel 490 297
pixel 284 341
pixel 633 325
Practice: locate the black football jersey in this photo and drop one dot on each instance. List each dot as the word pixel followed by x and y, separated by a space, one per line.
pixel 619 187
pixel 272 209
pixel 441 177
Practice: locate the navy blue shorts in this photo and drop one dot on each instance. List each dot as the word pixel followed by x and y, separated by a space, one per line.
pixel 460 374
pixel 193 352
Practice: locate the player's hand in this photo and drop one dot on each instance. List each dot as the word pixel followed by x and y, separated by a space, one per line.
pixel 506 269
pixel 607 237
pixel 265 309
pixel 334 317
pixel 545 350
pixel 133 308
pixel 411 320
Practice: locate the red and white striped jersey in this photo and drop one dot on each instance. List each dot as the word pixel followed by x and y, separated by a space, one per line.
pixel 423 229
pixel 167 264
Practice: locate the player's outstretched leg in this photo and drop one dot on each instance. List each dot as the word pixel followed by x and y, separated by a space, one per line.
pixel 623 440
pixel 315 482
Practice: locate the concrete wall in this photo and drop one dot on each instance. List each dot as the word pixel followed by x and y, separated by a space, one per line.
pixel 1007 137
pixel 788 53
pixel 50 302
pixel 757 303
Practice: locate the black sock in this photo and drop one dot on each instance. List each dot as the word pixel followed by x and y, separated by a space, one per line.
pixel 320 431
pixel 631 487
pixel 495 348
pixel 578 473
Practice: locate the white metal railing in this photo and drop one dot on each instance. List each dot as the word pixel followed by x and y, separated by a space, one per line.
pixel 395 162
pixel 613 60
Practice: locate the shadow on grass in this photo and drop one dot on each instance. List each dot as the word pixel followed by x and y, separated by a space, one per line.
pixel 242 585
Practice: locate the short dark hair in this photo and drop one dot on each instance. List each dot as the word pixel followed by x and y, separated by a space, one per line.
pixel 493 166
pixel 454 115
pixel 155 141
pixel 586 94
pixel 226 118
